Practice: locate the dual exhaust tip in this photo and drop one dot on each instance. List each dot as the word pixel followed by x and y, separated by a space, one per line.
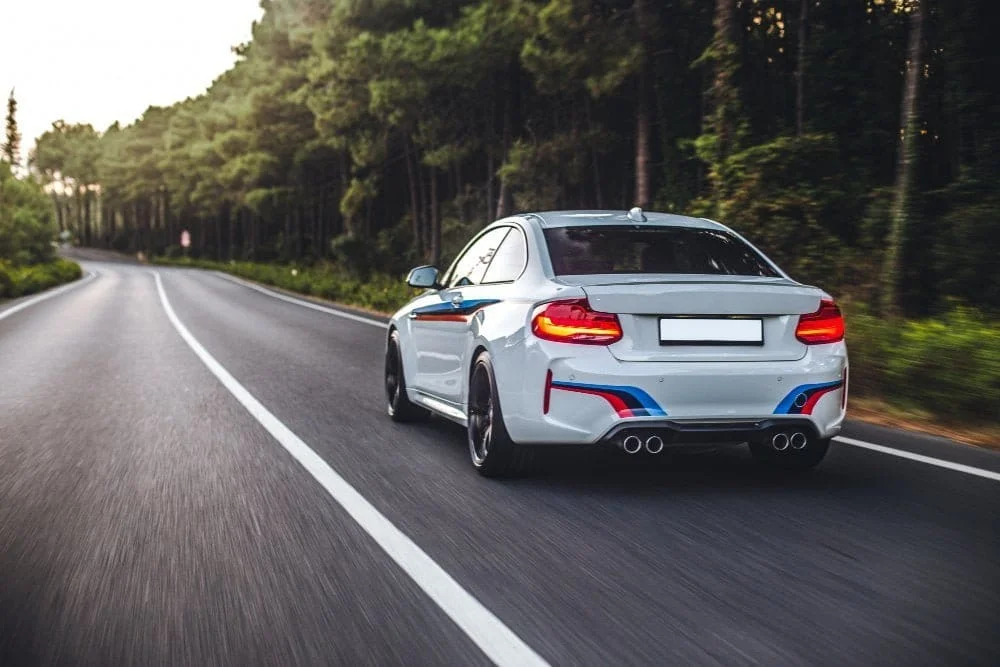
pixel 633 444
pixel 782 441
pixel 654 444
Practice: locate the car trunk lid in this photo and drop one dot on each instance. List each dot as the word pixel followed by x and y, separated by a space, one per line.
pixel 703 318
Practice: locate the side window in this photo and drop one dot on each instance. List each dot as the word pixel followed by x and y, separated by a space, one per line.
pixel 509 260
pixel 471 266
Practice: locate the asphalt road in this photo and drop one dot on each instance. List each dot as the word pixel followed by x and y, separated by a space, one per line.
pixel 147 517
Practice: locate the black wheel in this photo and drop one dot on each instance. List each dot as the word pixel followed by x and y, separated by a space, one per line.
pixel 399 406
pixel 493 453
pixel 804 459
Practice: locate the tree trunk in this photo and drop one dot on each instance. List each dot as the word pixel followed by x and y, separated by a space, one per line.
pixel 904 165
pixel 83 231
pixel 490 178
pixel 414 198
pixel 321 225
pixel 642 111
pixel 435 222
pixel 87 217
pixel 503 199
pixel 298 232
pixel 800 70
pixel 59 212
pixel 723 96
pixel 511 125
pixel 598 197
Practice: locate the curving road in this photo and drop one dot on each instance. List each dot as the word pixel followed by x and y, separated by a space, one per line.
pixel 194 472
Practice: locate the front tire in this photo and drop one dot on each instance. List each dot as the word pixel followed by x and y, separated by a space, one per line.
pixel 399 407
pixel 493 452
pixel 806 459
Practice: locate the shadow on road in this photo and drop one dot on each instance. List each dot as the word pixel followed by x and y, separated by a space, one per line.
pixel 604 470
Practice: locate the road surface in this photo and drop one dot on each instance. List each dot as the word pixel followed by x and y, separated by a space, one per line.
pixel 194 472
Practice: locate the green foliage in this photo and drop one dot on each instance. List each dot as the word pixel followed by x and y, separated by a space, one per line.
pixel 26 229
pixel 16 281
pixel 949 366
pixel 785 197
pixel 966 255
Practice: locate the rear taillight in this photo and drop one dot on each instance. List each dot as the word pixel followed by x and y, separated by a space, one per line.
pixel 826 325
pixel 572 321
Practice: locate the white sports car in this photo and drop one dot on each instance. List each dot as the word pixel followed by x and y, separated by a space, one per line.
pixel 643 331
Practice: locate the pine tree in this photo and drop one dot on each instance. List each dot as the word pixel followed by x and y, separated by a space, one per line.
pixel 11 149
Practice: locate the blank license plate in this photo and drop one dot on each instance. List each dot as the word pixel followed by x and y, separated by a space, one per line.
pixel 715 331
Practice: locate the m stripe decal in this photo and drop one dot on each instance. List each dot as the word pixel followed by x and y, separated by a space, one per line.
pixel 627 401
pixel 802 399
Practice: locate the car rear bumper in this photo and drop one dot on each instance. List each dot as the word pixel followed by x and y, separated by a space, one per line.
pixel 591 397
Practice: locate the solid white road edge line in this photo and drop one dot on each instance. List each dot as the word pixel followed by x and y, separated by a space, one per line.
pixel 902 453
pixel 46 295
pixel 302 302
pixel 941 463
pixel 489 633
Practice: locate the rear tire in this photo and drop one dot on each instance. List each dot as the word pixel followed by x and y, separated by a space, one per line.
pixel 399 407
pixel 806 459
pixel 493 452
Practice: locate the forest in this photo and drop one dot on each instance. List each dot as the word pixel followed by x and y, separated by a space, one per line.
pixel 381 133
pixel 855 141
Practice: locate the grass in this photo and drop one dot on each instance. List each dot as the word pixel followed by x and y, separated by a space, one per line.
pixel 379 293
pixel 17 281
pixel 883 412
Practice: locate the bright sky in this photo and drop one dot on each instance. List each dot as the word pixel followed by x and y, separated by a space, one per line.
pixel 98 61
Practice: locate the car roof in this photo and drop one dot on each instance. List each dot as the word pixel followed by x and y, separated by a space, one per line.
pixel 591 218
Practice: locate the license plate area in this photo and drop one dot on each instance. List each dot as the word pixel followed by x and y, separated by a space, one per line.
pixel 711 331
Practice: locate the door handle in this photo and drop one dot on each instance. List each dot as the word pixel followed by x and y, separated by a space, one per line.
pixel 456 300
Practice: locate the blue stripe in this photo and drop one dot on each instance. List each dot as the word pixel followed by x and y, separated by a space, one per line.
pixel 650 408
pixel 446 307
pixel 789 401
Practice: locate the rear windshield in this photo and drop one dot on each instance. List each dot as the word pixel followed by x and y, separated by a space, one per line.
pixel 630 249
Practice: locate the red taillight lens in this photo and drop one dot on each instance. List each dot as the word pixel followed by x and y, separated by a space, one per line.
pixel 826 325
pixel 572 321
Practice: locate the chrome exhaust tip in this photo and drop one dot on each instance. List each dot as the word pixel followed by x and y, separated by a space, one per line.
pixel 632 444
pixel 798 440
pixel 779 442
pixel 654 444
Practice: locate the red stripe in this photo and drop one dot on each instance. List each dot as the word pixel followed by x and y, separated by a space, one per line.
pixel 616 403
pixel 807 409
pixel 445 317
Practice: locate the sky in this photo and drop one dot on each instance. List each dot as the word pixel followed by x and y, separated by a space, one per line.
pixel 98 61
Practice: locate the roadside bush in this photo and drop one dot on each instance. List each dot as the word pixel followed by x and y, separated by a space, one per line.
pixel 378 292
pixel 949 366
pixel 27 226
pixel 18 281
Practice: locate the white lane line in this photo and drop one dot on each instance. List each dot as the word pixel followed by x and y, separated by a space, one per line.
pixel 941 463
pixel 305 304
pixel 902 453
pixel 46 295
pixel 489 633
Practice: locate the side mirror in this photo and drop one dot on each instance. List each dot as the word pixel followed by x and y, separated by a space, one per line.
pixel 423 276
